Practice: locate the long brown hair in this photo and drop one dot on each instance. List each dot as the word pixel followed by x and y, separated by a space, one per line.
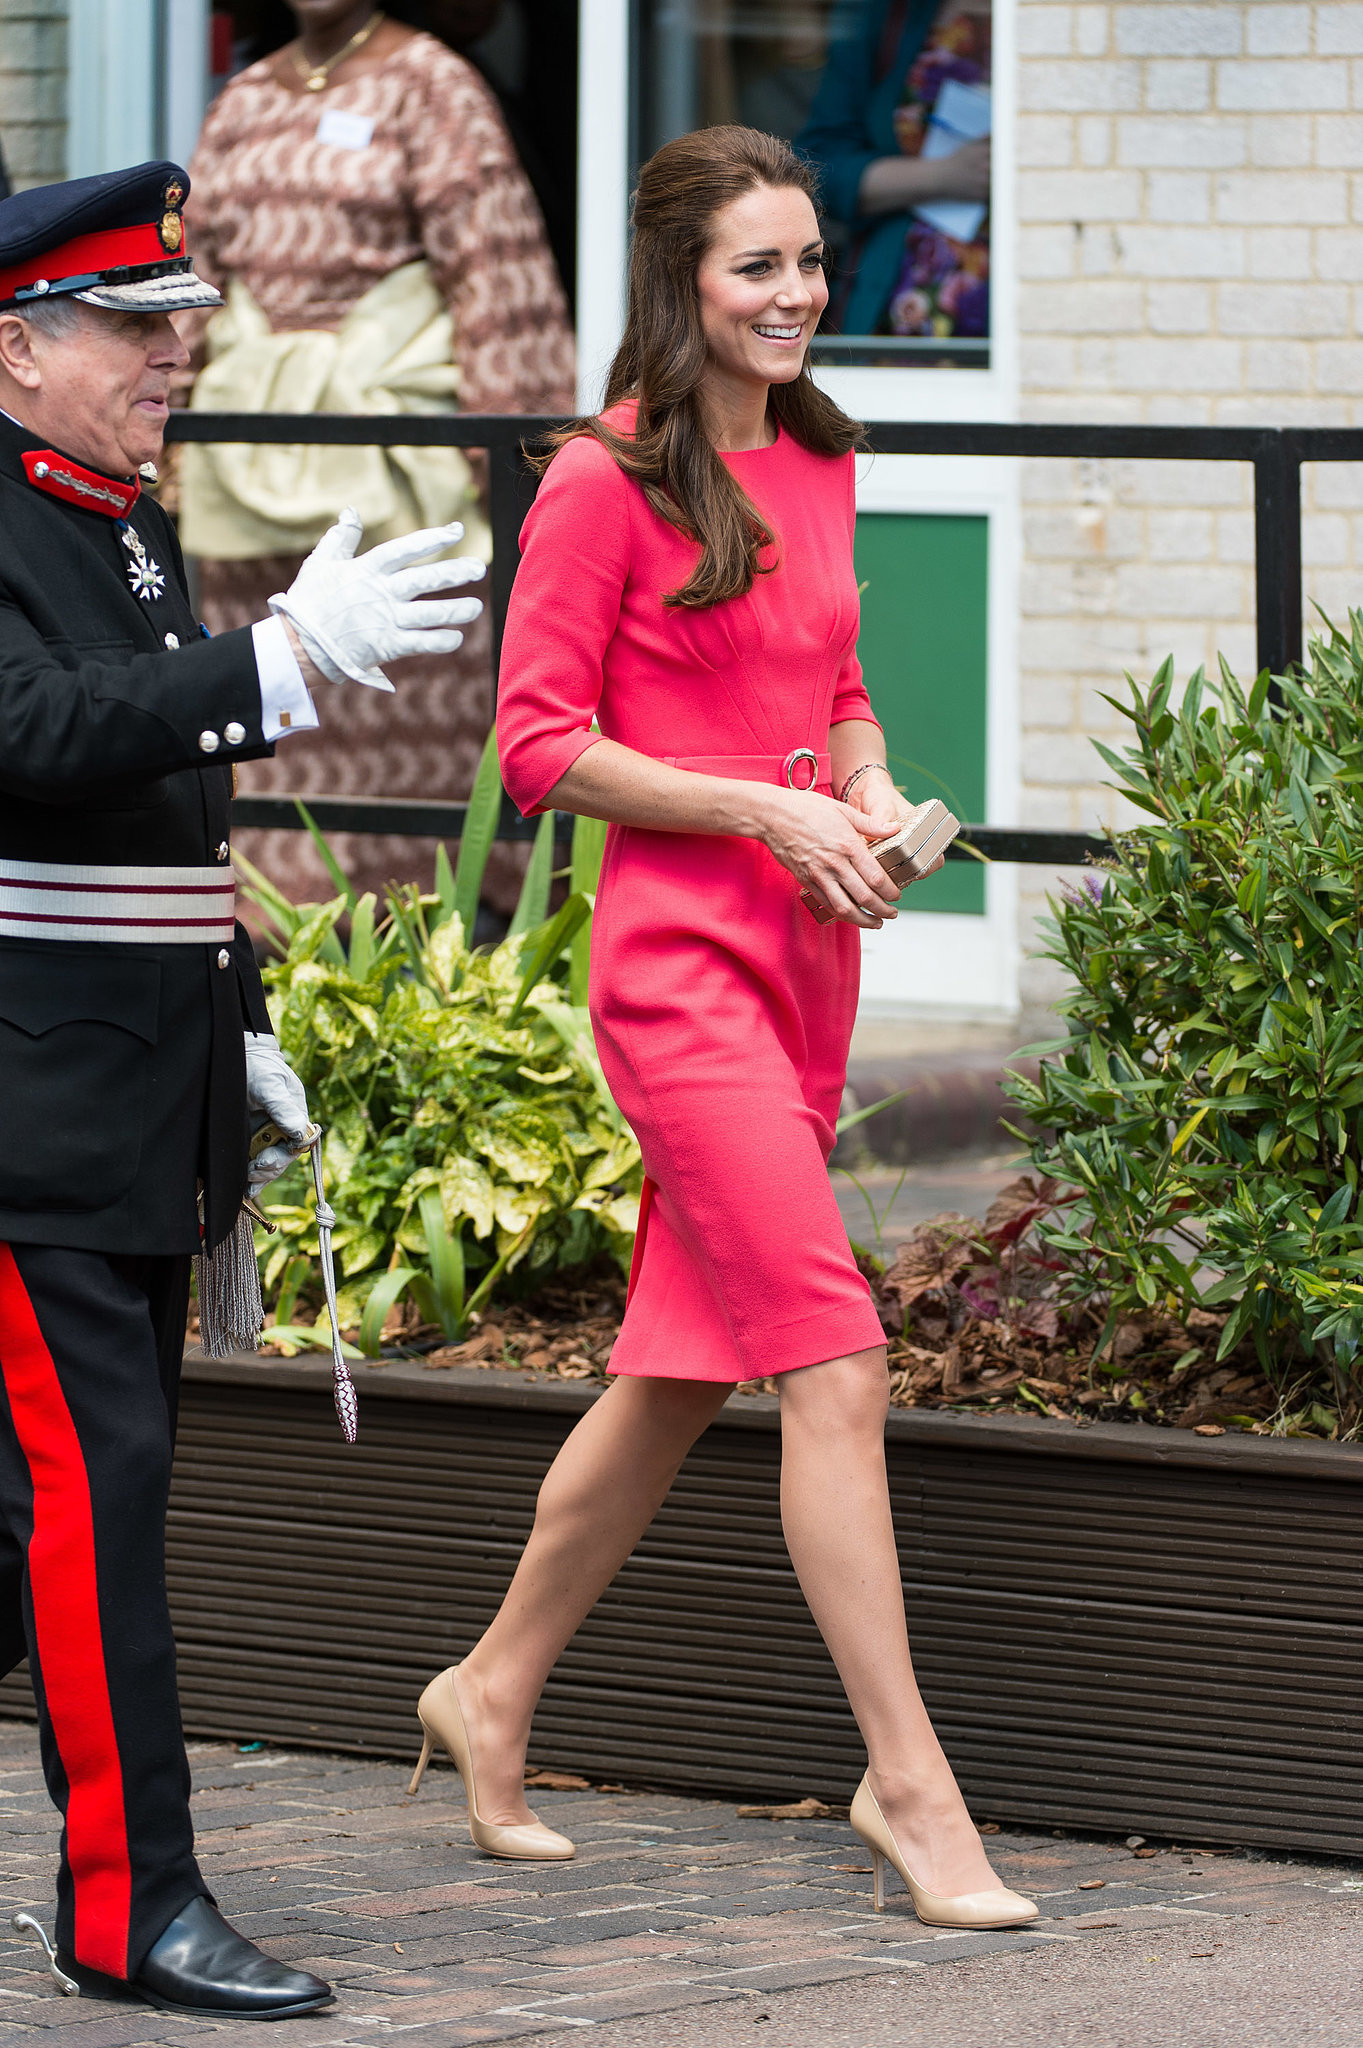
pixel 661 360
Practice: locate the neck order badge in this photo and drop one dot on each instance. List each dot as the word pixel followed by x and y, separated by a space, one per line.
pixel 147 578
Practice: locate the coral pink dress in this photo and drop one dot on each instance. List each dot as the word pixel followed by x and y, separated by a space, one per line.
pixel 722 1011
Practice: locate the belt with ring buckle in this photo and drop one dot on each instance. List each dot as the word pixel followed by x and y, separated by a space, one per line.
pixel 795 755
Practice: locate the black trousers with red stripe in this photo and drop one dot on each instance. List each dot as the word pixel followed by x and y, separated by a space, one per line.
pixel 90 1347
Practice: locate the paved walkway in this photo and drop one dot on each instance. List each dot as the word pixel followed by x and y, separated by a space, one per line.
pixel 884 1203
pixel 682 1922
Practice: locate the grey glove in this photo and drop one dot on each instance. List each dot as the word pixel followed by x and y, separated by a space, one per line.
pixel 351 613
pixel 275 1095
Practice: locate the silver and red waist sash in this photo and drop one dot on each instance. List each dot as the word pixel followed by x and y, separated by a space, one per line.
pixel 117 905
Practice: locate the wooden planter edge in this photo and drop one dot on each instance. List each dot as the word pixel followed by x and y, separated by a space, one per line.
pixel 1109 1442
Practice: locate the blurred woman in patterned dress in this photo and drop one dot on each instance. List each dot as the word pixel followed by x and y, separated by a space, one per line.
pixel 359 203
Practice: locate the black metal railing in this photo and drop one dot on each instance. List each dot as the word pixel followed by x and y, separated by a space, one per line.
pixel 1276 455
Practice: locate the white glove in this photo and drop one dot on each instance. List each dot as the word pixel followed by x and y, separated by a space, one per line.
pixel 351 614
pixel 275 1095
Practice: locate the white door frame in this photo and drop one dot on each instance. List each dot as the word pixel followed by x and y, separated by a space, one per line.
pixel 947 964
pixel 603 165
pixel 137 82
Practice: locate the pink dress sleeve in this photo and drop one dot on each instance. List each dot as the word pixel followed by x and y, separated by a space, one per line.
pixel 849 692
pixel 575 557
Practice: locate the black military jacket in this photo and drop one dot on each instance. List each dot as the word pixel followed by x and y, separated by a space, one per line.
pixel 122 1075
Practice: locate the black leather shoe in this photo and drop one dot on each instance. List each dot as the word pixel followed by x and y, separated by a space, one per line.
pixel 202 1966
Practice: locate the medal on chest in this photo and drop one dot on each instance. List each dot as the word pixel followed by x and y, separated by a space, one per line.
pixel 146 577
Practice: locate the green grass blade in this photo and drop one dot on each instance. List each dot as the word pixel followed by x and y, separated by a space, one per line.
pixel 410 940
pixel 546 945
pixel 362 937
pixel 444 886
pixel 490 1279
pixel 480 827
pixel 533 907
pixel 446 1255
pixel 344 886
pixel 308 1339
pixel 589 845
pixel 859 1116
pixel 285 916
pixel 386 1292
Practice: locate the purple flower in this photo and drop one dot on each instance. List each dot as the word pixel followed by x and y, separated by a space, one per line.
pixel 971 310
pixel 935 67
pixel 1090 894
pixel 932 256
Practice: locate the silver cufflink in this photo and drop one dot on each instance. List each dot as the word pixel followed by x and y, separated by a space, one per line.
pixel 209 743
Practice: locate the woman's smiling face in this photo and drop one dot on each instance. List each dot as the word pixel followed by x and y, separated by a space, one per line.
pixel 762 286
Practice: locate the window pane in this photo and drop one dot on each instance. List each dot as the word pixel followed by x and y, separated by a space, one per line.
pixel 891 100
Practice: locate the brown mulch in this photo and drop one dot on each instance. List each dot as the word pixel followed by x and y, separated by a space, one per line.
pixel 972 1323
pixel 567 1332
pixel 974 1320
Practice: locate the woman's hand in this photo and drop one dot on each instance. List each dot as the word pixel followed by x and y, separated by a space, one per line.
pixel 824 844
pixel 884 809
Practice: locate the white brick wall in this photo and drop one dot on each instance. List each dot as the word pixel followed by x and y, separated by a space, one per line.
pixel 1190 208
pixel 33 90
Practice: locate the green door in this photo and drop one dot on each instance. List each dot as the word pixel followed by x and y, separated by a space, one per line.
pixel 924 614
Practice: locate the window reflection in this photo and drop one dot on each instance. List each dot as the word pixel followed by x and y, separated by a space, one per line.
pixel 891 99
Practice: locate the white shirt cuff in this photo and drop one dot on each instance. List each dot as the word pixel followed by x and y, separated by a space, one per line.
pixel 285 705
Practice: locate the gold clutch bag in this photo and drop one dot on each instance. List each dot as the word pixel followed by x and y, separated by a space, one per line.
pixel 907 854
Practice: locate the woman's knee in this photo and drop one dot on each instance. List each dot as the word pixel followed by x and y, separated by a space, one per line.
pixel 840 1395
pixel 669 1405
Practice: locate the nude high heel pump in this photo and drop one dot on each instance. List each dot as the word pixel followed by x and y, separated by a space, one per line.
pixel 442 1721
pixel 998 1908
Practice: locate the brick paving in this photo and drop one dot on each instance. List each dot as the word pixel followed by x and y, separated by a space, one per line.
pixel 672 1904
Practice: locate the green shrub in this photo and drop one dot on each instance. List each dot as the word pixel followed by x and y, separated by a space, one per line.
pixel 471 1142
pixel 1208 1099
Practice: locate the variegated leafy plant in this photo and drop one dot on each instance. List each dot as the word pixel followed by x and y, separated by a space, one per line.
pixel 471 1141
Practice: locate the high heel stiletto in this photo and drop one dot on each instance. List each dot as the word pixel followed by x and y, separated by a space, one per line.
pixel 443 1722
pixel 998 1908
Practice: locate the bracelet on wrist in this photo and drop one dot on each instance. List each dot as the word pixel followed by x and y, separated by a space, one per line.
pixel 855 777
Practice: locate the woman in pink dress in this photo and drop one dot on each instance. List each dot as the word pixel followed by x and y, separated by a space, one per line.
pixel 687 582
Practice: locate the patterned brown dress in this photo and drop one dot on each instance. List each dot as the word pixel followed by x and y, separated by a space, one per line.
pixel 309 228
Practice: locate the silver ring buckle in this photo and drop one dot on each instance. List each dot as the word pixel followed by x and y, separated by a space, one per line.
pixel 788 767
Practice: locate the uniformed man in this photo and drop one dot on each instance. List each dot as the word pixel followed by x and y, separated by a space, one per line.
pixel 135 1047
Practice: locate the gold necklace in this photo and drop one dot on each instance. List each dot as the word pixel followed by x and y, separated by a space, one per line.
pixel 316 77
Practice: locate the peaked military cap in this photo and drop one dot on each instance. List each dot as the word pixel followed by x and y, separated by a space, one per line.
pixel 117 240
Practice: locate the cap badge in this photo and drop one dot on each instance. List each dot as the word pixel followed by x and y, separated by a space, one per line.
pixel 171 228
pixel 146 578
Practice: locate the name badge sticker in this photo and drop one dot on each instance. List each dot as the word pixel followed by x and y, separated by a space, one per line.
pixel 345 131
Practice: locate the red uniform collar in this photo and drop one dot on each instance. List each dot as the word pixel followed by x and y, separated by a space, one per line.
pixel 62 478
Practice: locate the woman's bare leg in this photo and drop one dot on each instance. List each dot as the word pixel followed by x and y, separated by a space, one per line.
pixel 835 1508
pixel 598 1497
